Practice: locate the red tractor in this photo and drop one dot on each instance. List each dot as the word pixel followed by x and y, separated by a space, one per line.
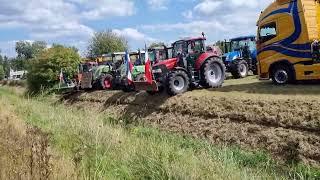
pixel 191 66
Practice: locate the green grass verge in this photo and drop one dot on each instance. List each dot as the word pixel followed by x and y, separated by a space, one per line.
pixel 102 148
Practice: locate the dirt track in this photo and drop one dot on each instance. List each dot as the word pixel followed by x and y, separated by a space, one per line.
pixel 286 125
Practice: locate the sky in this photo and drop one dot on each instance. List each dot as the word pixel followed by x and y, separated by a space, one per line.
pixel 73 22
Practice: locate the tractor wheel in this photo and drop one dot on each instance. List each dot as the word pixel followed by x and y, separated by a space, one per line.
pixel 240 69
pixel 213 73
pixel 255 72
pixel 281 75
pixel 178 82
pixel 106 82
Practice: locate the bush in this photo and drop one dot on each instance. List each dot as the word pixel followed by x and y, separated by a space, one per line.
pixel 45 69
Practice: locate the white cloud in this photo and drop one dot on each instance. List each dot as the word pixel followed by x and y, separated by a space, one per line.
pixel 187 14
pixel 59 20
pixel 158 4
pixel 219 19
pixel 133 35
pixel 99 9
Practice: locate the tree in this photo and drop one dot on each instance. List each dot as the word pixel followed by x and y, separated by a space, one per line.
pixel 6 66
pixel 29 50
pixel 1 59
pixel 106 42
pixel 2 73
pixel 156 44
pixel 45 68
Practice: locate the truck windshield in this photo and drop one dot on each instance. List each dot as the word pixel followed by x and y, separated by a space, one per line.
pixel 237 45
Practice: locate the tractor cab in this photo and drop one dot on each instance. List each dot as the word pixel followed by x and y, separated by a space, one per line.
pixel 241 56
pixel 191 49
pixel 160 53
pixel 190 66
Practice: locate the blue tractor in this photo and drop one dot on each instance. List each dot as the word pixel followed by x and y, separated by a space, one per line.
pixel 241 56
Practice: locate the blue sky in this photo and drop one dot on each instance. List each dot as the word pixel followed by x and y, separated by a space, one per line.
pixel 72 22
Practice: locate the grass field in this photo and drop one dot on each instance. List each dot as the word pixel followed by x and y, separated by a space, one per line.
pixel 230 133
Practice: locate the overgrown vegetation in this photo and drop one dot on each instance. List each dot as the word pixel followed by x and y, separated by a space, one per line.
pixel 106 148
pixel 45 68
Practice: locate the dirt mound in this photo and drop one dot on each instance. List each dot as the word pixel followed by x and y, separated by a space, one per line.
pixel 286 126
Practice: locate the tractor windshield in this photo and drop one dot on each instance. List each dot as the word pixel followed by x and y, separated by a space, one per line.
pixel 178 48
pixel 240 44
pixel 196 46
pixel 158 55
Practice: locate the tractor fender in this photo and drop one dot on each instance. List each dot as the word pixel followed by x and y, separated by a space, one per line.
pixel 203 58
pixel 181 69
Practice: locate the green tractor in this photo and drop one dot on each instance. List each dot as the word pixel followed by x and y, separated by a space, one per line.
pixel 97 76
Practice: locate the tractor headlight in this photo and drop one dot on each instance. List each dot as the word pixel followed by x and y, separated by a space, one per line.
pixel 157 71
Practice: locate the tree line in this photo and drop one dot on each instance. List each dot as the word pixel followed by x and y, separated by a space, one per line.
pixel 44 63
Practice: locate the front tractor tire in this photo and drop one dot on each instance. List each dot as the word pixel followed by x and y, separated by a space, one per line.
pixel 240 69
pixel 178 82
pixel 213 73
pixel 281 75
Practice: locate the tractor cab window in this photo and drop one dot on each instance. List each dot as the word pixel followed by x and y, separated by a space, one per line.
pixel 179 48
pixel 243 44
pixel 196 46
pixel 86 67
pixel 267 32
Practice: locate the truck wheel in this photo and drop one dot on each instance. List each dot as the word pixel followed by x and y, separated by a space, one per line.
pixel 213 73
pixel 106 81
pixel 281 75
pixel 178 82
pixel 240 69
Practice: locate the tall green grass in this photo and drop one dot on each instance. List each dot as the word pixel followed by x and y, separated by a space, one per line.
pixel 105 148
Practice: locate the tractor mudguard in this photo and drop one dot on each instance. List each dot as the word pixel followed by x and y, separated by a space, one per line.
pixel 169 63
pixel 181 69
pixel 202 58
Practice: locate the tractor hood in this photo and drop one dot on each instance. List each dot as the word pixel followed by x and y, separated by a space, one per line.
pixel 169 63
pixel 231 56
pixel 138 70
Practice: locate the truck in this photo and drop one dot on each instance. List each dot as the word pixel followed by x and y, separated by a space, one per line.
pixel 240 56
pixel 288 41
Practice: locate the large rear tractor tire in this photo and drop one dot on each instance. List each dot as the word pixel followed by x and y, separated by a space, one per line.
pixel 213 73
pixel 240 69
pixel 106 81
pixel 281 75
pixel 178 82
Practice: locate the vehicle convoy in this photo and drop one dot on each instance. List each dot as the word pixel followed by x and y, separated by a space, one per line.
pixel 288 41
pixel 241 56
pixel 191 66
